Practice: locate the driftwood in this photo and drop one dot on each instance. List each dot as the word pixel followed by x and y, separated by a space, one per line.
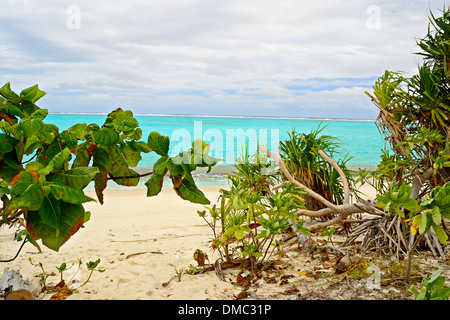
pixel 14 287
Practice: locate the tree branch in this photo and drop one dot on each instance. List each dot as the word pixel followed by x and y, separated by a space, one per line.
pixel 341 174
pixel 343 210
pixel 288 175
pixel 130 177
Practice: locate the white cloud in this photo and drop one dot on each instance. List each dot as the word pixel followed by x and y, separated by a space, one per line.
pixel 154 54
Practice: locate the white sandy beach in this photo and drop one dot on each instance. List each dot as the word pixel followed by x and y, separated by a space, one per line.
pixel 143 243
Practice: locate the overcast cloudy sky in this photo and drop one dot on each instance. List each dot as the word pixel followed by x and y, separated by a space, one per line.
pixel 236 57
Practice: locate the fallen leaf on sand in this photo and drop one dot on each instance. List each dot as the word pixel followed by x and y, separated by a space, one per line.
pixel 60 295
pixel 242 295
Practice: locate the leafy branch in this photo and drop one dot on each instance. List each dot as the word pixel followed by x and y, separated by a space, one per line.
pixel 44 171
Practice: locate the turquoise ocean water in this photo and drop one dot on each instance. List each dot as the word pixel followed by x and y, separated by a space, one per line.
pixel 228 136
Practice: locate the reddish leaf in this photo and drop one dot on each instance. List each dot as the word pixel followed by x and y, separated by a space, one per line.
pixel 70 221
pixel 91 148
pixel 14 180
pixel 61 295
pixel 200 257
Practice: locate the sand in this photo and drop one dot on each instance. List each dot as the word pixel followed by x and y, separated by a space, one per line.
pixel 145 246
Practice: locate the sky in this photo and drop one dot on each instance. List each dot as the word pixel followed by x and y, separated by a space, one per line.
pixel 277 58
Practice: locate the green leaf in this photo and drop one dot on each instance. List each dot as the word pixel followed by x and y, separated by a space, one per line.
pixel 187 190
pixel 70 221
pixel 101 161
pixel 32 93
pixel 75 133
pixel 154 184
pixel 77 178
pixel 26 195
pixel 441 234
pixel 425 223
pixel 122 121
pixel 133 156
pixel 436 215
pixel 257 254
pixel 158 143
pixel 239 234
pixel 6 92
pixel 118 168
pixel 83 157
pixel 68 194
pixel 39 114
pixel 106 137
pixel 31 127
pixel 6 143
pixel 411 205
pixel 13 110
pixel 56 162
pixel 50 211
pixel 7 171
pixel 161 165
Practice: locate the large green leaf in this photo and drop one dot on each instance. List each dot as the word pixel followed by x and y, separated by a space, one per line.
pixel 68 194
pixel 119 170
pixel 26 195
pixel 48 133
pixel 12 110
pixel 106 137
pixel 187 190
pixel 83 157
pixel 31 127
pixel 39 114
pixel 154 184
pixel 158 143
pixel 441 234
pixel 122 121
pixel 132 155
pixel 161 165
pixel 6 92
pixel 50 211
pixel 32 93
pixel 56 162
pixel 72 135
pixel 77 131
pixel 425 222
pixel 77 178
pixel 101 161
pixel 71 218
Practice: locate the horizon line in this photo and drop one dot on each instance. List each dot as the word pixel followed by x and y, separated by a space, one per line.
pixel 217 116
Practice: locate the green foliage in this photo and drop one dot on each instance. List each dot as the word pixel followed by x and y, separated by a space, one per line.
pixel 423 215
pixel 43 172
pixel 249 216
pixel 414 113
pixel 179 168
pixel 63 284
pixel 432 288
pixel 329 232
pixel 397 199
pixel 300 154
